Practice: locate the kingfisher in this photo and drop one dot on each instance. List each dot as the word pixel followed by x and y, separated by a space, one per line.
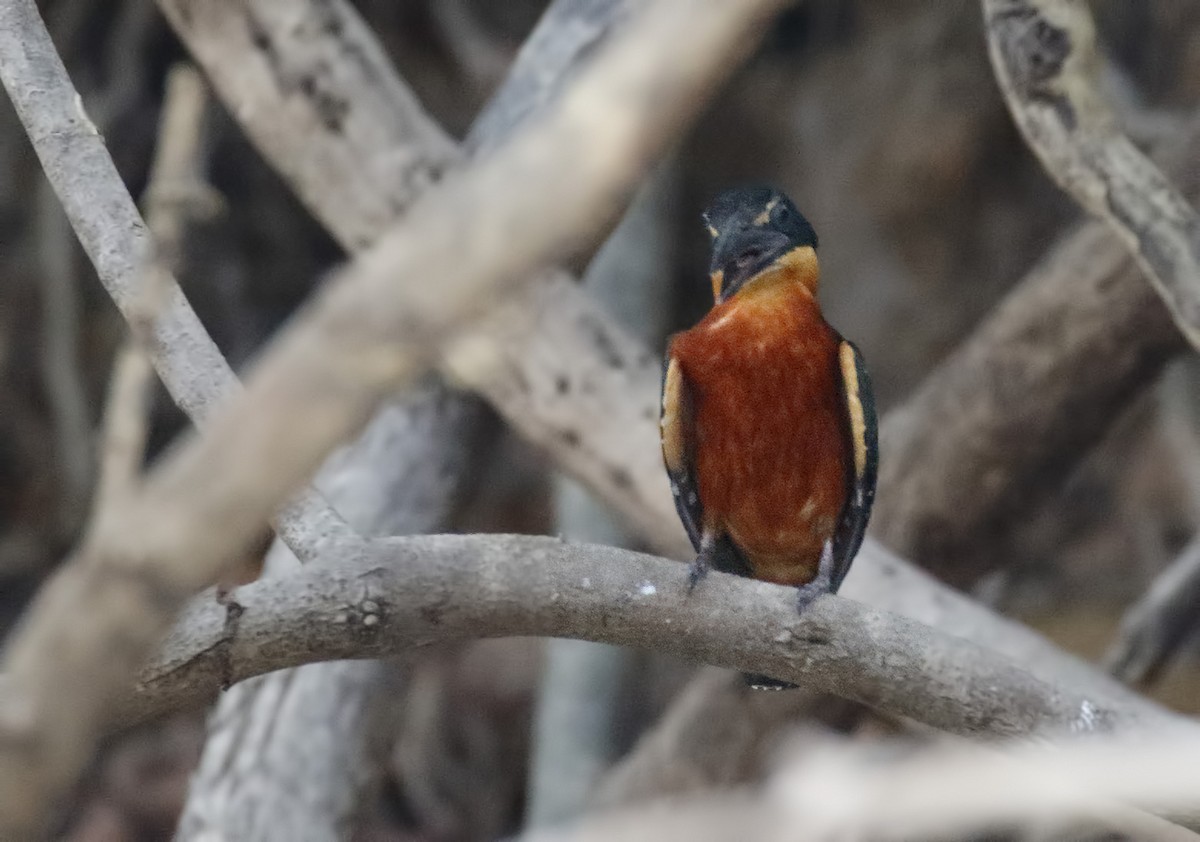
pixel 768 424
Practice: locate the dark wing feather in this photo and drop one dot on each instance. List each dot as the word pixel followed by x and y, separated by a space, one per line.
pixel 863 426
pixel 677 428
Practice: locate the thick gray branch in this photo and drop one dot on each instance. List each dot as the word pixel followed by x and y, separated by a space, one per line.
pixel 401 593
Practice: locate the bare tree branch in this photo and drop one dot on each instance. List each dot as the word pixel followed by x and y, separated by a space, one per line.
pixel 551 335
pixel 174 196
pixel 888 583
pixel 945 791
pixel 1045 56
pixel 98 205
pixel 404 592
pixel 1154 627
pixel 115 238
pixel 319 98
pixel 366 336
pixel 1011 411
pixel 956 788
pixel 195 661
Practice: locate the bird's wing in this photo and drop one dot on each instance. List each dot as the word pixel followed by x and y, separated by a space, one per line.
pixel 859 403
pixel 677 427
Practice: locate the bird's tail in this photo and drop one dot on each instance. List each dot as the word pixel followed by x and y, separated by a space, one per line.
pixel 765 682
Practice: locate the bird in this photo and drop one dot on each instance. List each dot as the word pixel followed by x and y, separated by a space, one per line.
pixel 768 424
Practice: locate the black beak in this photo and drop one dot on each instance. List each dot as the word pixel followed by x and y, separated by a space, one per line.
pixel 744 253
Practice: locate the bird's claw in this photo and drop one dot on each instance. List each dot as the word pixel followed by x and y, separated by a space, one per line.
pixel 806 595
pixel 697 570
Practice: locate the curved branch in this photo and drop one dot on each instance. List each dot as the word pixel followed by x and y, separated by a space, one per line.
pixel 1046 60
pixel 396 594
pixel 197 658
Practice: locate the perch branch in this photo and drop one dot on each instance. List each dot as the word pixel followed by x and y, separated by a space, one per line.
pixel 399 593
pixel 365 336
pixel 191 669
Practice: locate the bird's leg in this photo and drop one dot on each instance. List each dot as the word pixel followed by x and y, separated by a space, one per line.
pixel 821 585
pixel 703 562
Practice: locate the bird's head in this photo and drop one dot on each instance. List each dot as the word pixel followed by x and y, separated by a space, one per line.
pixel 757 231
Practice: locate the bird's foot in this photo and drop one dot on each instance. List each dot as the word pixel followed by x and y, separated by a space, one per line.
pixel 822 585
pixel 806 595
pixel 703 562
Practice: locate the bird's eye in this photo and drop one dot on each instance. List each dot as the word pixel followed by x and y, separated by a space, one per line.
pixel 782 215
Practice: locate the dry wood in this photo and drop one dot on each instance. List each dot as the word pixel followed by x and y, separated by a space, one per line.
pixel 316 93
pixel 319 732
pixel 305 781
pixel 175 196
pixel 290 64
pixel 393 594
pixel 1046 60
pixel 945 791
pixel 1154 627
pixel 604 476
pixel 552 362
pixel 956 789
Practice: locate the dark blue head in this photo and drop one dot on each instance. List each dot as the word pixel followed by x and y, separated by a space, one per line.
pixel 752 228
